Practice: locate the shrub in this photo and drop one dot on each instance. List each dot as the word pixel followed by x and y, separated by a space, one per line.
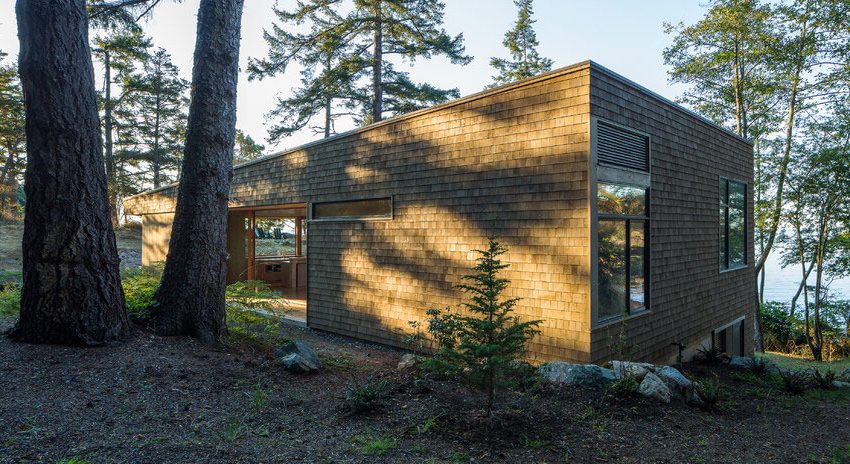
pixel 794 381
pixel 10 299
pixel 758 365
pixel 823 379
pixel 709 356
pixel 710 391
pixel 247 322
pixel 140 286
pixel 778 327
pixel 365 398
pixel 625 386
pixel 483 345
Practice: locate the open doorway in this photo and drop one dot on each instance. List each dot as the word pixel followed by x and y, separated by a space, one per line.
pixel 269 244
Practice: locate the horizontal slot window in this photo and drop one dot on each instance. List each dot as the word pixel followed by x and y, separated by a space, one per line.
pixel 374 208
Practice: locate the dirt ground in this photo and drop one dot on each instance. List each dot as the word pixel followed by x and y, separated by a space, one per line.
pixel 159 400
pixel 129 245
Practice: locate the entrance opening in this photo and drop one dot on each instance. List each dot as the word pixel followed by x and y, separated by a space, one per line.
pixel 269 244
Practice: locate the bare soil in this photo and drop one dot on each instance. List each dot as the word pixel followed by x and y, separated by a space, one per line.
pixel 155 399
pixel 129 240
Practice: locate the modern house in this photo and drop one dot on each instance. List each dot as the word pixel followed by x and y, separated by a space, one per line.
pixel 623 212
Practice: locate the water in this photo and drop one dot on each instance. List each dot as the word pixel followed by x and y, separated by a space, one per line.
pixel 781 284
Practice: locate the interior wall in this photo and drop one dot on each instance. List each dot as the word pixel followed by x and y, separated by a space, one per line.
pixel 237 235
pixel 156 232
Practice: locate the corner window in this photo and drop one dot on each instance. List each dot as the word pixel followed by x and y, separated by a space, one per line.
pixel 622 231
pixel 733 224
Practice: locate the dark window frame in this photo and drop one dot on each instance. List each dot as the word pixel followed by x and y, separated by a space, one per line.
pixel 628 218
pixel 725 260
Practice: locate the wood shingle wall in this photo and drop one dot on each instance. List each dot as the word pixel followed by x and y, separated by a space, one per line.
pixel 513 164
pixel 689 295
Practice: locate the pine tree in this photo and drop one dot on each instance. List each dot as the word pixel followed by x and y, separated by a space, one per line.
pixel 522 43
pixel 71 292
pixel 246 149
pixel 158 103
pixel 190 297
pixel 12 137
pixel 344 56
pixel 330 69
pixel 119 49
pixel 485 342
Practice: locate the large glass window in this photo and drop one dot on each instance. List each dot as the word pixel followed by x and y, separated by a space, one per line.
pixel 733 224
pixel 275 236
pixel 623 261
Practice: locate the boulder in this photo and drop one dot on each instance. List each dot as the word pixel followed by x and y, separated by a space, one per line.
pixel 584 375
pixel 740 362
pixel 845 375
pixel 674 379
pixel 408 360
pixel 692 397
pixel 298 357
pixel 840 384
pixel 655 388
pixel 637 370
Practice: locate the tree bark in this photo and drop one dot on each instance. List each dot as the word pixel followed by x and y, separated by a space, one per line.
pixel 377 63
pixel 190 298
pixel 72 290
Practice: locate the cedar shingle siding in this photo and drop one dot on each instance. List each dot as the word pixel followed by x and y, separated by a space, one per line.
pixel 512 162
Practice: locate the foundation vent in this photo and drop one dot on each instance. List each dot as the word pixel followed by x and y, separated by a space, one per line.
pixel 621 147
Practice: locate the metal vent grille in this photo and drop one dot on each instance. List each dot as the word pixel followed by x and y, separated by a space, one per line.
pixel 621 147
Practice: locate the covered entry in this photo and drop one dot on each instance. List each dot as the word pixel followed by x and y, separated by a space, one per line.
pixel 269 244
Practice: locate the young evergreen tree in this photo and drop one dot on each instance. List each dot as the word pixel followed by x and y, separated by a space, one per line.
pixel 157 103
pixel 521 42
pixel 350 41
pixel 483 343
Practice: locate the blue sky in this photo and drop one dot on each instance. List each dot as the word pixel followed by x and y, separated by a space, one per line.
pixel 625 36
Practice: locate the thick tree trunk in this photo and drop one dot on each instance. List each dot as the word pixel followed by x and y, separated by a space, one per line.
pixel 72 291
pixel 377 63
pixel 190 298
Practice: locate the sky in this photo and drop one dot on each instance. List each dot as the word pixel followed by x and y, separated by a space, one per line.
pixel 626 36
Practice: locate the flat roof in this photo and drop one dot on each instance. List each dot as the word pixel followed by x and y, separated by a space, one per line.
pixel 587 64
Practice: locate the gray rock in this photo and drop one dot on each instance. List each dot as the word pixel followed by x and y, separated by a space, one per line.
pixel 845 375
pixel 740 362
pixel 637 370
pixel 692 397
pixel 655 388
pixel 674 379
pixel 840 384
pixel 408 360
pixel 298 357
pixel 585 375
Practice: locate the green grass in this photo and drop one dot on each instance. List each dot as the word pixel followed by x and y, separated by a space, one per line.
pixel 788 361
pixel 374 446
pixel 10 300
